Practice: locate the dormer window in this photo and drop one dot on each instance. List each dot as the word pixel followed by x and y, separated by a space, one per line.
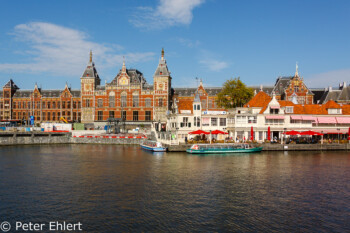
pixel 334 111
pixel 274 110
pixel 289 109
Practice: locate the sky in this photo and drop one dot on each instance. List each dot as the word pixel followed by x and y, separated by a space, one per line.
pixel 48 42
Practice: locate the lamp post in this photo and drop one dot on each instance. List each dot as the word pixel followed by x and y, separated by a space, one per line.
pixel 210 136
pixel 285 136
pixel 338 134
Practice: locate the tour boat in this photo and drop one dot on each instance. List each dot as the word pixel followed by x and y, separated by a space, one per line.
pixel 222 148
pixel 153 146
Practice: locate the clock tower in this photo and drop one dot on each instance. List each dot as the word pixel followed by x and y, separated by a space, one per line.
pixel 161 91
pixel 89 80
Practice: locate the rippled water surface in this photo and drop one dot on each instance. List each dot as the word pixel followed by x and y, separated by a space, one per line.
pixel 122 188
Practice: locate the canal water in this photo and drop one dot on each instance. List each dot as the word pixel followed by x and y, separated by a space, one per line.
pixel 110 188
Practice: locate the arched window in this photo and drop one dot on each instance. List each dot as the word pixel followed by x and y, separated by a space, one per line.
pixel 123 99
pixel 112 99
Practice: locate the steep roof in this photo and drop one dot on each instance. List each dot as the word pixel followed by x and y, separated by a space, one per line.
pixel 344 94
pixel 185 104
pixel 259 100
pixel 136 77
pixel 11 84
pixel 162 69
pixel 281 84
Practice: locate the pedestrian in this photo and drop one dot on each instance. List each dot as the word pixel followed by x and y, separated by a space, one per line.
pixel 186 139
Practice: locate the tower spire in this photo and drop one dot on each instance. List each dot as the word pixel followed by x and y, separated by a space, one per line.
pixel 90 56
pixel 296 69
pixel 162 53
pixel 124 67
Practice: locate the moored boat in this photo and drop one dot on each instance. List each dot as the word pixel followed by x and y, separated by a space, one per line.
pixel 222 148
pixel 153 146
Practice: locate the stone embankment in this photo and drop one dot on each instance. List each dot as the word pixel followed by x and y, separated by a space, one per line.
pixel 33 138
pixel 37 138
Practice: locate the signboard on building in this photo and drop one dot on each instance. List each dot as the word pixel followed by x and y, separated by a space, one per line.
pixel 185 111
pixel 214 112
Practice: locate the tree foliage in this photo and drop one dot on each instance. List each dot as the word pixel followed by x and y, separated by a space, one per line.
pixel 234 94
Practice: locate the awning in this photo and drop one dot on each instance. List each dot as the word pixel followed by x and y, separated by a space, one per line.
pixel 332 131
pixel 275 117
pixel 343 120
pixel 275 107
pixel 309 118
pixel 326 120
pixel 296 117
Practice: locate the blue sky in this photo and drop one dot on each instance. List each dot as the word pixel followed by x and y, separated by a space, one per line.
pixel 48 42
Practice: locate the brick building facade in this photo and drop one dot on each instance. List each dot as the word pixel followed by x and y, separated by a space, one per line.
pixel 128 96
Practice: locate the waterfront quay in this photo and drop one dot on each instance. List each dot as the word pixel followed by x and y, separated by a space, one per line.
pixel 37 138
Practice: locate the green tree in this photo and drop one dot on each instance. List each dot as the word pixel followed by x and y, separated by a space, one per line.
pixel 234 94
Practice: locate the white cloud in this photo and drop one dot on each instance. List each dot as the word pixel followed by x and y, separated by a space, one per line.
pixel 214 65
pixel 64 51
pixel 331 78
pixel 188 43
pixel 168 13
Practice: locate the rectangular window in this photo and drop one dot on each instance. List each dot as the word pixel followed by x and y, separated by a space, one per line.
pixel 251 119
pixel 74 104
pixel 289 109
pixel 68 104
pixel 44 116
pixel 63 104
pixel 241 120
pixel 214 121
pixel 74 116
pixel 87 103
pixel 204 103
pixel 29 105
pixel 53 116
pixel 210 103
pixel 148 116
pixel 148 102
pixel 135 100
pixel 48 116
pixel 222 121
pixel 48 105
pixel 124 115
pixel 99 115
pixel 274 110
pixel 135 115
pixel 79 104
pixel 111 113
pixel 100 103
pixel 160 102
pixel 123 101
pixel 111 101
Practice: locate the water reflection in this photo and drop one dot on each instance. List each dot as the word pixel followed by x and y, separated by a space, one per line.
pixel 123 188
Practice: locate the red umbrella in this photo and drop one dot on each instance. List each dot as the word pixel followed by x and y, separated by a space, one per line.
pixel 218 132
pixel 349 134
pixel 199 132
pixel 251 133
pixel 292 132
pixel 269 133
pixel 309 132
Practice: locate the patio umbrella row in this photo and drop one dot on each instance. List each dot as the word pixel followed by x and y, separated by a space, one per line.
pixel 309 133
pixel 204 132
